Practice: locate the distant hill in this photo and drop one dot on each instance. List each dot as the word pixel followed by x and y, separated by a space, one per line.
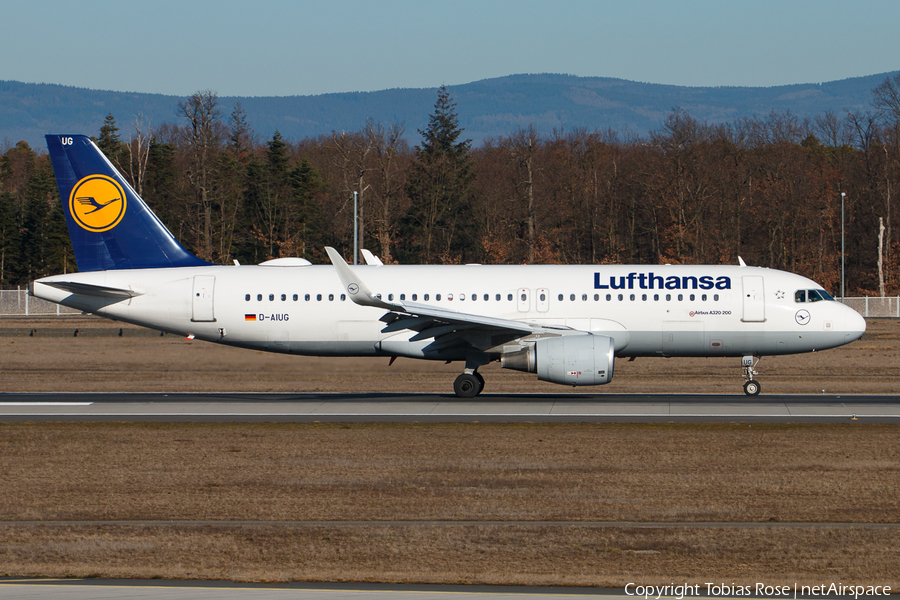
pixel 487 109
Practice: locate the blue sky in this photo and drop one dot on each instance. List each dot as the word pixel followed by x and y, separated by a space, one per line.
pixel 280 47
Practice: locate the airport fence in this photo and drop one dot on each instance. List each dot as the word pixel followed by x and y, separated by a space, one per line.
pixel 875 306
pixel 17 303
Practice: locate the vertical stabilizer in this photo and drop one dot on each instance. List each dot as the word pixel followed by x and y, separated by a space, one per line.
pixel 110 226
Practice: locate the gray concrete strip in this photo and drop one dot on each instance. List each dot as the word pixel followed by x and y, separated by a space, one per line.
pixel 312 407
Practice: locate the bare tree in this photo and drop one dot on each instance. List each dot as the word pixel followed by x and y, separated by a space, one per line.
pixel 387 144
pixel 138 149
pixel 201 112
pixel 353 150
pixel 522 146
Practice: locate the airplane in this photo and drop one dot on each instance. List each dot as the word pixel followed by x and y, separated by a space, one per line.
pixel 566 323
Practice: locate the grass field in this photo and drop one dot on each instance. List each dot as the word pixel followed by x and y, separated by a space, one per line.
pixel 53 360
pixel 531 495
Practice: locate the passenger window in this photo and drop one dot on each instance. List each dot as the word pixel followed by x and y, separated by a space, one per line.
pixel 259 297
pixel 437 297
pixel 319 297
pixel 475 297
pixel 560 297
pixel 715 297
pixel 402 297
pixel 608 297
pixel 703 297
pixel 271 297
pixel 331 297
pixel 543 297
pixel 416 297
pixel 390 297
pixel 296 297
pixel 509 297
pixel 426 297
pixel 306 297
pixel 656 297
pixel 572 297
pixel 524 298
pixel 692 297
pixel 247 297
pixel 632 297
pixel 680 297
pixel 644 297
pixel 584 297
pixel 343 297
pixel 668 297
pixel 487 297
pixel 621 297
pixel 596 297
pixel 283 297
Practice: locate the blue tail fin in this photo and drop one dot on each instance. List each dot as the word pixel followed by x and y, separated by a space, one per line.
pixel 110 226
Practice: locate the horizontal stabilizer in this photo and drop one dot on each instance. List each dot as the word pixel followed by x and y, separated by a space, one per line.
pixel 87 289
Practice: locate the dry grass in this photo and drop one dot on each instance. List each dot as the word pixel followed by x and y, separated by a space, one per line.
pixel 62 471
pixel 744 473
pixel 489 555
pixel 172 364
pixel 669 473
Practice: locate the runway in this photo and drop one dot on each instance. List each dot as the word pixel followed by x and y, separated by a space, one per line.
pixel 432 408
pixel 93 589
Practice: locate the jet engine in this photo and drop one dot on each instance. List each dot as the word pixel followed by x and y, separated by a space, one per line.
pixel 570 360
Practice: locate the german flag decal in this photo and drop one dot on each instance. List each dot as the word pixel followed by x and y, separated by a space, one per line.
pixel 249 317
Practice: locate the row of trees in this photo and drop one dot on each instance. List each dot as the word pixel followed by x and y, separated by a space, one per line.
pixel 767 189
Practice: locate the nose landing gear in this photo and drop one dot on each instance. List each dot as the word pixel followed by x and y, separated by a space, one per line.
pixel 751 386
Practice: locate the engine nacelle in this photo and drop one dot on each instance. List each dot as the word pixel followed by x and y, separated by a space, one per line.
pixel 570 359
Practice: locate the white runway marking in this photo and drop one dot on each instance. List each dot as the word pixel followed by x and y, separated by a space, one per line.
pixel 46 403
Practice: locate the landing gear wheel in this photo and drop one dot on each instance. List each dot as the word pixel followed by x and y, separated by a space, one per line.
pixel 480 381
pixel 752 388
pixel 467 386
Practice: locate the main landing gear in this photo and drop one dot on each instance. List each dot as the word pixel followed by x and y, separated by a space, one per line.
pixel 468 385
pixel 751 386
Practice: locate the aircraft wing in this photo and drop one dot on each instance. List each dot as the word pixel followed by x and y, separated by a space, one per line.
pixel 435 322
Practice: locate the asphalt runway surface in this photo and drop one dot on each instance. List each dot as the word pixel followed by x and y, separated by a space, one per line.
pixel 92 589
pixel 437 408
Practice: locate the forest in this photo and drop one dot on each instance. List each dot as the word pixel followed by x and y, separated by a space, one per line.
pixel 773 190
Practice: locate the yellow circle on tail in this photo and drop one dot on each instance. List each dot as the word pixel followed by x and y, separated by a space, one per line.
pixel 97 203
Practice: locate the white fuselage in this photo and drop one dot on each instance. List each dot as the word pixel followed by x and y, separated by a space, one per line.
pixel 656 310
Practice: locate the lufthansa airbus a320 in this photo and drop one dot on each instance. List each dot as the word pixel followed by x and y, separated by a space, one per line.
pixel 567 324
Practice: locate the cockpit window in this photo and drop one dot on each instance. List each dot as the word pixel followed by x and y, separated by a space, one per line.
pixel 811 295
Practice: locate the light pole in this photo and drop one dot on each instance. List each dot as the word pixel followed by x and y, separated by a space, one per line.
pixel 843 195
pixel 356 233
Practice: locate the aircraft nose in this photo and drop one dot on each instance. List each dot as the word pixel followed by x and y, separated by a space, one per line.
pixel 854 324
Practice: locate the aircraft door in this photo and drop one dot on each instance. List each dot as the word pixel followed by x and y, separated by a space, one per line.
pixel 523 300
pixel 754 300
pixel 202 299
pixel 543 300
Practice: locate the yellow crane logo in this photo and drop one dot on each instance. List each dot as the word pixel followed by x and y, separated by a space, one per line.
pixel 97 203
